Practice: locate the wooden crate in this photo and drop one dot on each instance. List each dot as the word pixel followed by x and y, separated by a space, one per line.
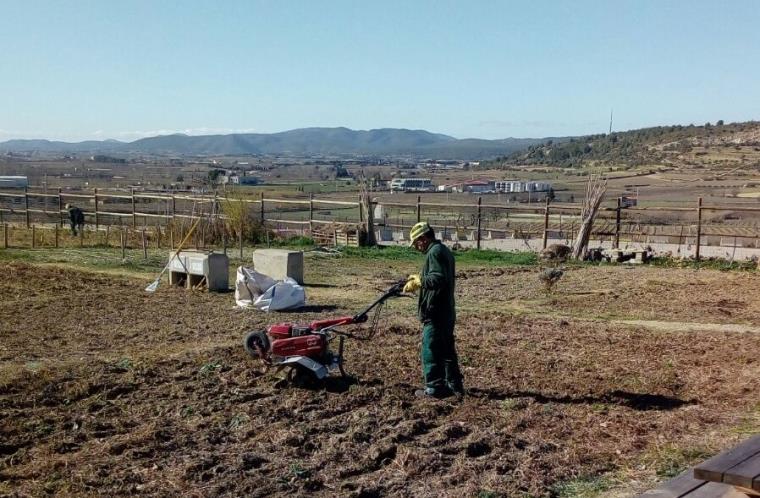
pixel 335 236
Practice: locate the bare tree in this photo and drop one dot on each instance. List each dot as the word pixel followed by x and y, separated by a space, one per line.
pixel 369 218
pixel 595 189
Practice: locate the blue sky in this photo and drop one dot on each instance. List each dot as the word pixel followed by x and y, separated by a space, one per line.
pixel 76 70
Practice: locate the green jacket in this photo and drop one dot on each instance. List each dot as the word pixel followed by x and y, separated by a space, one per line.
pixel 436 301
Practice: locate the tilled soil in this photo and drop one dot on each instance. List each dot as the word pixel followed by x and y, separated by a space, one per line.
pixel 108 390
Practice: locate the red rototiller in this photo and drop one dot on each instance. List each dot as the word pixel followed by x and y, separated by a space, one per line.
pixel 306 348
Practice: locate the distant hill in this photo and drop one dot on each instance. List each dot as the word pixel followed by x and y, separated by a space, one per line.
pixel 51 146
pixel 305 141
pixel 683 146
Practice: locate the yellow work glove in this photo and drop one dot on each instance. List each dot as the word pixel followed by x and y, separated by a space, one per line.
pixel 412 284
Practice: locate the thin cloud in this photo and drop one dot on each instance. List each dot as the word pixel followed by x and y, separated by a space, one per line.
pixel 204 130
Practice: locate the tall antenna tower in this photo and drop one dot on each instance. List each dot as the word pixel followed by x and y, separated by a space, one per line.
pixel 610 121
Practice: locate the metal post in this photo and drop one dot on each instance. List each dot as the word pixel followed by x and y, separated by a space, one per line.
pixel 158 236
pixel 34 233
pixel 123 241
pixel 361 210
pixel 108 233
pixel 171 238
pixel 81 237
pixel 134 216
pixel 480 202
pixel 419 208
pixel 5 235
pixel 174 207
pixel 56 236
pixel 144 245
pixel 26 205
pixel 546 223
pixel 97 219
pixel 699 227
pixel 224 243
pixel 617 222
pixel 262 208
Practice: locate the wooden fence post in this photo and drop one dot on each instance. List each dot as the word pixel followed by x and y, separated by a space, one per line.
pixel 699 227
pixel 419 208
pixel 241 229
pixel 144 245
pixel 97 218
pixel 617 222
pixel 56 236
pixel 26 205
pixel 480 202
pixel 546 223
pixel 60 207
pixel 134 216
pixel 311 214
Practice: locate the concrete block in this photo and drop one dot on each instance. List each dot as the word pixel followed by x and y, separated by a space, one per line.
pixel 191 266
pixel 279 263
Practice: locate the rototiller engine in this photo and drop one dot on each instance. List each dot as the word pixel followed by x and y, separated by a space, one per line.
pixel 306 348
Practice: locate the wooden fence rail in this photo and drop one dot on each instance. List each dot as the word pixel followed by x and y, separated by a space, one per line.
pixel 274 211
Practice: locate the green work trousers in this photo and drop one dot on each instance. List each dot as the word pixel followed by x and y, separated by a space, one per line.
pixel 440 365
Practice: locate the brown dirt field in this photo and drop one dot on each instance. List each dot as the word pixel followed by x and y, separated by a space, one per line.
pixel 107 390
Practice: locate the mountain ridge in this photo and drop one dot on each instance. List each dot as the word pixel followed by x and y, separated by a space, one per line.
pixel 300 141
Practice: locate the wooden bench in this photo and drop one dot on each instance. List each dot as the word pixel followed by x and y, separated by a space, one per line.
pixel 732 474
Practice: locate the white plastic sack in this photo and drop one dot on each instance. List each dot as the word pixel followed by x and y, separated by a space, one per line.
pixel 282 296
pixel 265 293
pixel 249 285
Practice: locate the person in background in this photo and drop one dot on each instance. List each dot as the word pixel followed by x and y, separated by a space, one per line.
pixel 76 218
pixel 436 311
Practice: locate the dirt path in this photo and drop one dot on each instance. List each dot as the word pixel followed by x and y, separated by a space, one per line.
pixel 691 326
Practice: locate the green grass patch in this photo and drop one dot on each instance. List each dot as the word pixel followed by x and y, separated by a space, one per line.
pixel 709 264
pixel 298 242
pixel 670 460
pixel 582 487
pixel 750 423
pixel 92 258
pixel 401 253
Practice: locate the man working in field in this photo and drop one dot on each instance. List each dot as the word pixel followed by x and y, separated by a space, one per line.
pixel 76 218
pixel 436 311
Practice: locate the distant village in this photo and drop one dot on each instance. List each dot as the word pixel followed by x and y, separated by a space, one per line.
pixel 468 187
